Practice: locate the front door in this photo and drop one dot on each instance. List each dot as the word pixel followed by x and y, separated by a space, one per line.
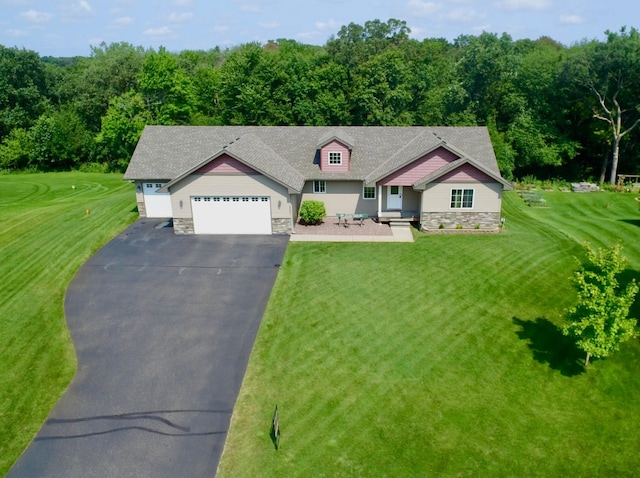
pixel 394 197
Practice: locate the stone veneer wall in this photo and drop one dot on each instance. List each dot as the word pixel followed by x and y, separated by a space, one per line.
pixel 281 226
pixel 468 220
pixel 183 225
pixel 142 210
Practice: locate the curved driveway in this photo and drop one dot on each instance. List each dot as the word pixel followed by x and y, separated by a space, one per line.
pixel 163 326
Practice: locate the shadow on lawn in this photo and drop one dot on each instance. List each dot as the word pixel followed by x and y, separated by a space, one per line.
pixel 633 222
pixel 550 346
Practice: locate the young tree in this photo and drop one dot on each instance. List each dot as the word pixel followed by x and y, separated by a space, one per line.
pixel 599 322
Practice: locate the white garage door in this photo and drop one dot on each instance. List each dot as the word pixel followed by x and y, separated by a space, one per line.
pixel 156 204
pixel 231 214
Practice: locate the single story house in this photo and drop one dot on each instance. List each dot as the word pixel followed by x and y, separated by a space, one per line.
pixel 253 179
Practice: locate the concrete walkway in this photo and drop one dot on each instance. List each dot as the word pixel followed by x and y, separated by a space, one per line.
pixel 399 234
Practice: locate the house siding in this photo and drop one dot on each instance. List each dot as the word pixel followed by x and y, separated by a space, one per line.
pixel 418 169
pixel 225 164
pixel 229 185
pixel 142 208
pixel 436 206
pixel 342 197
pixel 465 173
pixel 334 146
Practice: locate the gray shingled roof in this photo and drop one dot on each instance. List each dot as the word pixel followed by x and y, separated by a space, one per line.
pixel 338 134
pixel 422 143
pixel 167 152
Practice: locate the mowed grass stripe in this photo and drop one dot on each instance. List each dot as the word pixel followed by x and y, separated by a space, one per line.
pixel 437 359
pixel 45 236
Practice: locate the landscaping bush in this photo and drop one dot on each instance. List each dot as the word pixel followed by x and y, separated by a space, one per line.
pixel 312 212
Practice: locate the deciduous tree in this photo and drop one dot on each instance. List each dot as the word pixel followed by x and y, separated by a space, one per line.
pixel 610 72
pixel 599 321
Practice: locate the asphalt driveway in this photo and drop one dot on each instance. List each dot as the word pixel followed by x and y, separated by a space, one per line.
pixel 163 326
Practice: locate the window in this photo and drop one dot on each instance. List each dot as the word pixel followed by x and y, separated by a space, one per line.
pixel 462 198
pixel 369 192
pixel 319 187
pixel 335 157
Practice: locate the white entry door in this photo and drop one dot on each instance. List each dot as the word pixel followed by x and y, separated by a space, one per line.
pixel 231 214
pixel 394 197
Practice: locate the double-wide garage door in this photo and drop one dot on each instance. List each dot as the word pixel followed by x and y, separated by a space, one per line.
pixel 231 214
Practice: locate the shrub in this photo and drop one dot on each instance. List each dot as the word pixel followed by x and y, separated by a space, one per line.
pixel 312 212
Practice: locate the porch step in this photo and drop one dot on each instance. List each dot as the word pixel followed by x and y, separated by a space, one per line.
pixel 400 223
pixel 399 220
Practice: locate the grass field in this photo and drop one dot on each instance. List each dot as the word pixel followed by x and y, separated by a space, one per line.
pixel 442 357
pixel 45 236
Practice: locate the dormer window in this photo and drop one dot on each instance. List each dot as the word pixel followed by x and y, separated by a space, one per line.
pixel 335 157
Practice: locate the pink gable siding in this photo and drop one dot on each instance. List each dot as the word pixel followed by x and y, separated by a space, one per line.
pixel 334 146
pixel 464 173
pixel 225 165
pixel 421 167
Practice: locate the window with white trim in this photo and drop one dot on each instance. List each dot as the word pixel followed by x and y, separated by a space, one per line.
pixel 368 192
pixel 335 157
pixel 462 198
pixel 319 187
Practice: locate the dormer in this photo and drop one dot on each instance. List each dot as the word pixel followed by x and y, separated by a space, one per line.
pixel 335 151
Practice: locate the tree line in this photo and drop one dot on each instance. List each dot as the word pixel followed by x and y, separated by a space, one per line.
pixel 552 110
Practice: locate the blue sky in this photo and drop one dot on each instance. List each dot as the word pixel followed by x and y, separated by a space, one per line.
pixel 70 27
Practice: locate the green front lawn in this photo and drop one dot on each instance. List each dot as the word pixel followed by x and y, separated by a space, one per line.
pixel 442 357
pixel 45 236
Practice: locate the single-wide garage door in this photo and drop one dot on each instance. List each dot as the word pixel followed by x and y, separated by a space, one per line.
pixel 231 214
pixel 156 204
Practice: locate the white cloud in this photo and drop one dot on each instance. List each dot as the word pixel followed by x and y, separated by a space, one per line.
pixel 572 19
pixel 419 8
pixel 34 16
pixel 482 28
pixel 465 15
pixel 519 5
pixel 417 32
pixel 180 17
pixel 158 32
pixel 250 8
pixel 306 36
pixel 15 32
pixel 122 22
pixel 330 25
pixel 76 11
pixel 269 25
pixel 220 28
